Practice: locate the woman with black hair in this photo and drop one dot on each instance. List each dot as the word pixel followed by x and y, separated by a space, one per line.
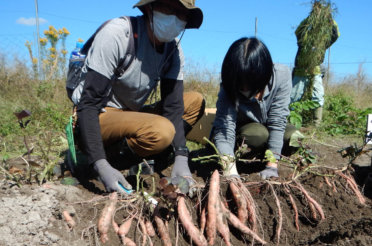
pixel 252 105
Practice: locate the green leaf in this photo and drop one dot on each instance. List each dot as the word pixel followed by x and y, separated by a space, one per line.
pixel 70 181
pixel 269 156
pixel 296 138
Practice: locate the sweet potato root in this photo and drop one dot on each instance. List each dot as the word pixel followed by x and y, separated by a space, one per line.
pixel 69 220
pixel 214 190
pixel 354 187
pixel 234 221
pixel 294 206
pixel 115 226
pixel 162 229
pixel 124 228
pixel 280 215
pixel 240 202
pixel 203 220
pixel 129 242
pixel 310 200
pixel 222 226
pixel 251 206
pixel 150 228
pixel 186 220
pixel 106 217
pixel 143 229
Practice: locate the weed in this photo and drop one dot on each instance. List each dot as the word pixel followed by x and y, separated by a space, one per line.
pixel 53 54
pixel 342 117
pixel 302 112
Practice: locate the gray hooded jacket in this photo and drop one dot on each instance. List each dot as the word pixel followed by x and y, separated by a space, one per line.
pixel 271 111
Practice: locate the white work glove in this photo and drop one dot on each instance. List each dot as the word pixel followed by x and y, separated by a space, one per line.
pixel 229 167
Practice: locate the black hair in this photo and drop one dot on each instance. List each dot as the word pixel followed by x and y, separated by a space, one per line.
pixel 248 64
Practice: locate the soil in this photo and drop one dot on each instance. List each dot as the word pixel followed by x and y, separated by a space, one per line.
pixel 32 214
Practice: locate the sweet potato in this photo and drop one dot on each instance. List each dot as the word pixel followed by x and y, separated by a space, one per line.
pixel 222 226
pixel 163 232
pixel 150 228
pixel 240 202
pixel 129 242
pixel 251 207
pixel 280 215
pixel 313 211
pixel 106 217
pixel 234 221
pixel 186 220
pixel 115 226
pixel 214 190
pixel 143 229
pixel 294 206
pixel 124 228
pixel 69 220
pixel 354 187
pixel 310 200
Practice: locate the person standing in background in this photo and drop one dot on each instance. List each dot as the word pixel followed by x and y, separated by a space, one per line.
pixel 315 35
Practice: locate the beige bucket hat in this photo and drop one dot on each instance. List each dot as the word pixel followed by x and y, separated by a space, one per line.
pixel 195 18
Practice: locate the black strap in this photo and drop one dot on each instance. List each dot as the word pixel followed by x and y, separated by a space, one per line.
pixel 131 49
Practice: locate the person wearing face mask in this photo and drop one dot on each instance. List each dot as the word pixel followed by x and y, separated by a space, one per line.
pixel 114 112
pixel 252 106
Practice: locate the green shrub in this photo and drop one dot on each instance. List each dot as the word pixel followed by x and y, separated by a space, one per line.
pixel 342 117
pixel 302 112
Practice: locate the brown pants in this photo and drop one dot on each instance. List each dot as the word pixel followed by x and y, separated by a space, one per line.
pixel 147 133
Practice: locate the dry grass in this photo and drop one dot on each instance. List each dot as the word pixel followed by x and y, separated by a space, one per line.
pixel 207 82
pixel 358 87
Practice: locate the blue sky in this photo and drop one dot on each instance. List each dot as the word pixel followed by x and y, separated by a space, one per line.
pixel 224 22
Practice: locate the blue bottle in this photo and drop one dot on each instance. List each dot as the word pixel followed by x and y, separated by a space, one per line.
pixel 75 72
pixel 75 54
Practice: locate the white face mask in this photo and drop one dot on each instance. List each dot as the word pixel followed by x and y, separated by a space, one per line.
pixel 167 27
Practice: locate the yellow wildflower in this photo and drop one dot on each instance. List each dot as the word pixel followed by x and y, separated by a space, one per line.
pixel 34 60
pixel 28 44
pixel 53 56
pixel 52 29
pixel 80 40
pixel 64 52
pixel 43 41
pixel 65 31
